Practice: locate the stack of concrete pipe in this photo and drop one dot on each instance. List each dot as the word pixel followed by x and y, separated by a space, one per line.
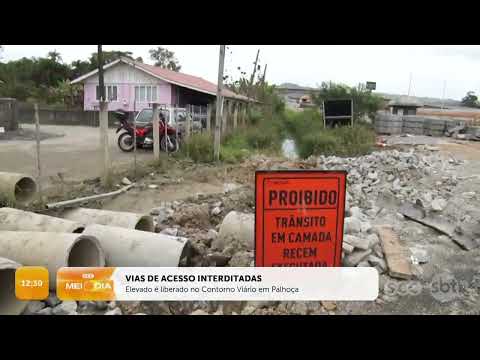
pixel 32 239
pixel 111 218
pixel 9 304
pixel 16 188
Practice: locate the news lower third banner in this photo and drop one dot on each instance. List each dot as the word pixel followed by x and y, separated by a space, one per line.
pixel 218 284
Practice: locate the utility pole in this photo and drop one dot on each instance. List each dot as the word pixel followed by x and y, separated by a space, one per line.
pixel 218 113
pixel 264 74
pixel 103 119
pixel 252 78
pixel 37 138
pixel 443 93
pixel 410 84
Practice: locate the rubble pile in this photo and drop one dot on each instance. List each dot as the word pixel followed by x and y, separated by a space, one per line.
pixel 395 172
pixel 377 185
pixel 54 306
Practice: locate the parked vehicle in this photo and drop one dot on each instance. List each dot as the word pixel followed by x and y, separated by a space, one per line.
pixel 169 138
pixel 176 117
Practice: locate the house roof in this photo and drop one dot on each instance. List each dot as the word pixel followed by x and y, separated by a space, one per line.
pixel 184 80
pixel 405 101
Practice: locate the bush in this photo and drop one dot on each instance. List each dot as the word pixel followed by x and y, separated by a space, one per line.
pixel 267 135
pixel 304 122
pixel 199 147
pixel 342 141
pixel 358 140
pixel 317 143
pixel 254 116
pixel 311 138
pixel 235 147
pixel 233 155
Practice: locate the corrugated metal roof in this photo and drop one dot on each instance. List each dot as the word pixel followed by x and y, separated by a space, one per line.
pixel 177 78
pixel 405 101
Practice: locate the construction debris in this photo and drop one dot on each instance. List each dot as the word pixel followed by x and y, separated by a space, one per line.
pixel 395 254
pixel 126 181
pixel 466 240
pixel 86 199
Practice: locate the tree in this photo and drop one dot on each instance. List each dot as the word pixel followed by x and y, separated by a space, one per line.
pixel 54 56
pixel 364 102
pixel 32 78
pixel 66 94
pixel 79 68
pixel 470 100
pixel 165 59
pixel 108 57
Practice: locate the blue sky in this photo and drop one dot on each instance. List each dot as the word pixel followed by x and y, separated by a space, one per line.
pixel 390 66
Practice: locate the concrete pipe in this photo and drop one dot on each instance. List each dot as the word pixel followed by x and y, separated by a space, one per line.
pixel 239 226
pixel 132 248
pixel 111 218
pixel 9 305
pixel 16 188
pixel 51 250
pixel 18 220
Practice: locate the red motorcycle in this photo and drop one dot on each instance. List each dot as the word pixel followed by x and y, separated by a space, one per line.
pixel 144 134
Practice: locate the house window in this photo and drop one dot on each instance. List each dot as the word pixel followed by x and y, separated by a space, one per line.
pixel 146 93
pixel 111 92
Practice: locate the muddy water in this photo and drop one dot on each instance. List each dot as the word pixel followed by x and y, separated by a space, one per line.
pixel 289 150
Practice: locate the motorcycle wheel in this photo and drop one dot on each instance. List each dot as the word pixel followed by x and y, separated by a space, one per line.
pixel 173 144
pixel 125 142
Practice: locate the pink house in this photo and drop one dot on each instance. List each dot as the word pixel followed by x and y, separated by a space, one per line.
pixel 132 86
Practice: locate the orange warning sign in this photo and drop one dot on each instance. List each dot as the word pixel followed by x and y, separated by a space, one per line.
pixel 299 218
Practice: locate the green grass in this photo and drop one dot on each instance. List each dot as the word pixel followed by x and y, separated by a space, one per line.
pixel 199 148
pixel 264 136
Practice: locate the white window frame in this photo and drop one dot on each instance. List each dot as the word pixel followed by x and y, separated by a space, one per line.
pixel 107 87
pixel 145 97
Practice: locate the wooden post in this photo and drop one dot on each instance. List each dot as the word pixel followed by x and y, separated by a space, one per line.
pixel 235 115
pixel 156 133
pixel 245 115
pixel 225 106
pixel 209 117
pixel 218 114
pixel 188 127
pixel 37 136
pixel 103 121
pixel 171 115
pixel 101 84
pixel 104 142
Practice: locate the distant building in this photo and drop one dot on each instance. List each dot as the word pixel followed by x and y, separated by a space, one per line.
pixel 404 105
pixel 133 86
pixel 296 96
pixel 8 114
